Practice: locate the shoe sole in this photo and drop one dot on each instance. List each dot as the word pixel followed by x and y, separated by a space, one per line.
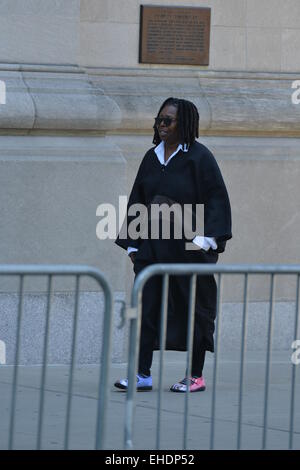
pixel 191 391
pixel 139 389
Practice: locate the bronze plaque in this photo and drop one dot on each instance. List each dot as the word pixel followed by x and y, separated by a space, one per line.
pixel 174 35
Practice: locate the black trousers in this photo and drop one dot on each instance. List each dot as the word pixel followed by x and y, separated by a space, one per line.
pixel 151 302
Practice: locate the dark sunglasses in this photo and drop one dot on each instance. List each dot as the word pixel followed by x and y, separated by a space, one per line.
pixel 167 120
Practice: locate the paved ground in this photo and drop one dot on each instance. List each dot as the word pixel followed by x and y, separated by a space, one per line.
pixel 84 405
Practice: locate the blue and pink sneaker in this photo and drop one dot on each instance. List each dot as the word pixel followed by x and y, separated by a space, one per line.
pixel 196 384
pixel 143 383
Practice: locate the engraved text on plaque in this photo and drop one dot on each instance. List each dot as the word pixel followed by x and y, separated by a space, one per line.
pixel 174 35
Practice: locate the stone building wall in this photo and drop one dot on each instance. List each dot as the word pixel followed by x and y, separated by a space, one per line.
pixel 78 119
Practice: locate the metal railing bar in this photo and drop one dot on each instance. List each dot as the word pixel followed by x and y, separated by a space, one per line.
pixel 55 269
pixel 103 389
pixel 180 269
pixel 163 329
pixel 294 366
pixel 62 270
pixel 268 365
pixel 243 351
pixel 73 353
pixel 35 269
pixel 190 341
pixel 217 345
pixel 17 354
pixel 134 340
pixel 44 369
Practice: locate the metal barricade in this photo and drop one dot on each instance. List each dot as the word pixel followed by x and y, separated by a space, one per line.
pixel 59 270
pixel 193 270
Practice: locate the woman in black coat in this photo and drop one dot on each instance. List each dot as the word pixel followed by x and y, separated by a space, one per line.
pixel 183 171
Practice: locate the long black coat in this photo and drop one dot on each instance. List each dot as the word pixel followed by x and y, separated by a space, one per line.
pixel 191 177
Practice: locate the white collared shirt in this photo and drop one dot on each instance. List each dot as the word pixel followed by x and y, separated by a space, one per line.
pixel 204 242
pixel 160 152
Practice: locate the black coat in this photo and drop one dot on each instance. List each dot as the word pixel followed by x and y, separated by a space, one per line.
pixel 191 177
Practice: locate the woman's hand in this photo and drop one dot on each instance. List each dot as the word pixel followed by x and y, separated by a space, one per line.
pixel 132 256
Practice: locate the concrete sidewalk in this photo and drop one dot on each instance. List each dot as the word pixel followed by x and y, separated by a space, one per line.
pixel 84 405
